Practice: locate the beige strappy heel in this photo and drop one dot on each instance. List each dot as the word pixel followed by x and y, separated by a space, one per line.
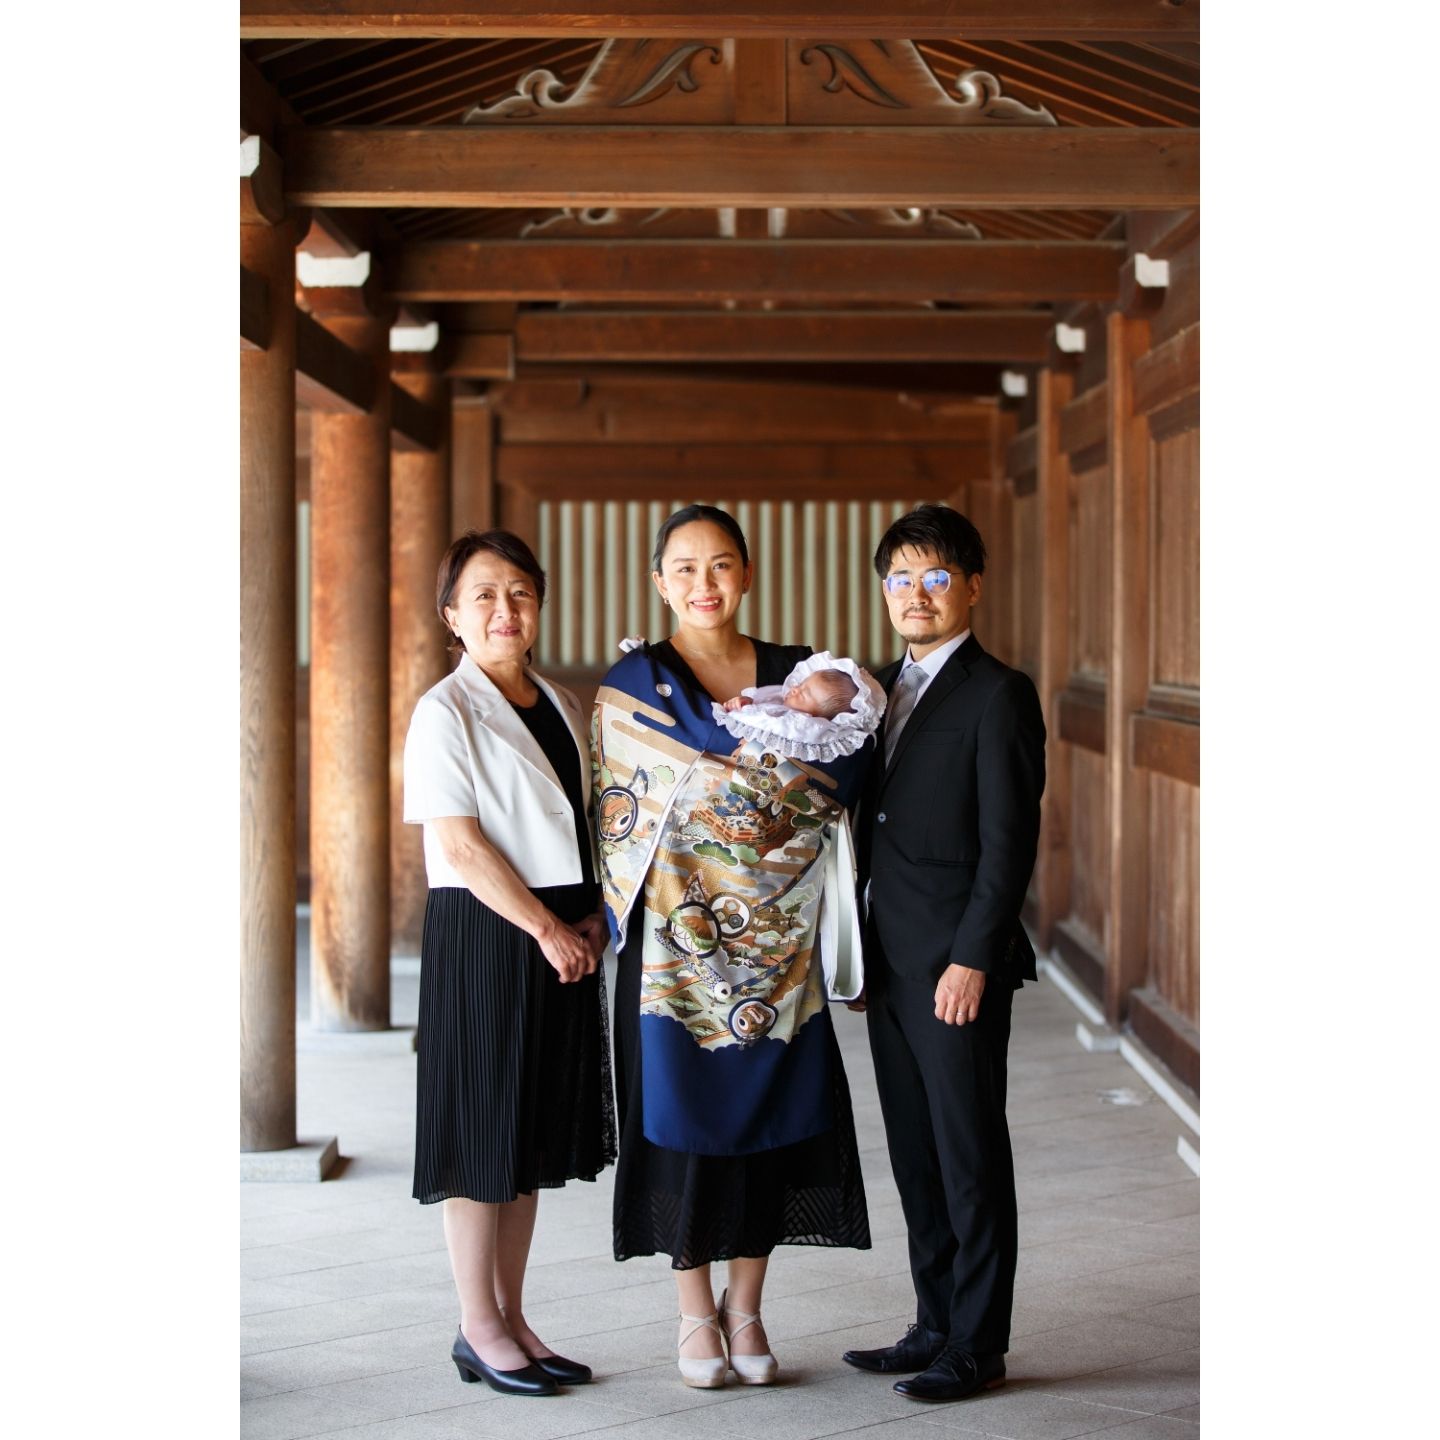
pixel 749 1369
pixel 708 1371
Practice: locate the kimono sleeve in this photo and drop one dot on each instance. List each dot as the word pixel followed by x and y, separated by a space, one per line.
pixel 437 765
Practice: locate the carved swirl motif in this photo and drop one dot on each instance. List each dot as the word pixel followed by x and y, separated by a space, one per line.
pixel 672 72
pixel 847 73
pixel 589 217
pixel 979 93
pixel 537 91
pixel 928 222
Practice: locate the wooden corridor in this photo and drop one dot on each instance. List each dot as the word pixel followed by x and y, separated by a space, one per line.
pixel 564 272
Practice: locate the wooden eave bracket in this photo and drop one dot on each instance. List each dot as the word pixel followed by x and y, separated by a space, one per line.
pixel 262 186
pixel 1143 284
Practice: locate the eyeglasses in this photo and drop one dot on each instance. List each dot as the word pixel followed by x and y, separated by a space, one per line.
pixel 936 582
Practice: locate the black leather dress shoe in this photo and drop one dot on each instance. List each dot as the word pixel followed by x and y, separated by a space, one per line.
pixel 917 1349
pixel 563 1371
pixel 528 1380
pixel 956 1375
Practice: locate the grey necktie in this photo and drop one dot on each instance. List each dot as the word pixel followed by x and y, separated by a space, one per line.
pixel 902 702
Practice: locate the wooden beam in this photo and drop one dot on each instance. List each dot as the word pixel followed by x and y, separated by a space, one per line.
pixel 1166 745
pixel 254 311
pixel 480 357
pixel 703 271
pixel 1116 168
pixel 652 410
pixel 911 19
pixel 739 472
pixel 921 382
pixel 1085 421
pixel 1169 371
pixel 414 425
pixel 669 336
pixel 1081 714
pixel 329 375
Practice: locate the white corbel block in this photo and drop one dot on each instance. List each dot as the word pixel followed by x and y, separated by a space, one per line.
pixel 331 270
pixel 1014 384
pixel 414 339
pixel 1070 339
pixel 1151 274
pixel 249 156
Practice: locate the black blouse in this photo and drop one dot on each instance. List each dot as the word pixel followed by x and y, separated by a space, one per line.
pixel 772 663
pixel 552 735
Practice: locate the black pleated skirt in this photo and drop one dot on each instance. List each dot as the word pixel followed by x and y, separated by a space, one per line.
pixel 702 1208
pixel 513 1090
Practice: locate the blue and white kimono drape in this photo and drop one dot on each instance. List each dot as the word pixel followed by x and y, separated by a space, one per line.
pixel 731 851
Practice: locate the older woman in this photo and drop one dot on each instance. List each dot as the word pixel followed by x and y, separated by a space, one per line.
pixel 736 1128
pixel 513 1088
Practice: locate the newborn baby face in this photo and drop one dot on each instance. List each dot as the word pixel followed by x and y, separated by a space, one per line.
pixel 809 697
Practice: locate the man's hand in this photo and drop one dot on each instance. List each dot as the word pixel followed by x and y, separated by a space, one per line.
pixel 957 996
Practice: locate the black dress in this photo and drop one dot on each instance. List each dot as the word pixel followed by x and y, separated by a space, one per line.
pixel 700 1208
pixel 513 1082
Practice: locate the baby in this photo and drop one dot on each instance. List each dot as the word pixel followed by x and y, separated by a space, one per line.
pixel 824 695
pixel 826 708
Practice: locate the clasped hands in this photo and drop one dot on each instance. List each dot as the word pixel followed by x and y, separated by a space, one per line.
pixel 573 951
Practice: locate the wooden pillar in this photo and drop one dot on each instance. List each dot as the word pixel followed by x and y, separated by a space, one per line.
pixel 1129 676
pixel 420 522
pixel 472 464
pixel 520 514
pixel 1052 888
pixel 350 702
pixel 267 701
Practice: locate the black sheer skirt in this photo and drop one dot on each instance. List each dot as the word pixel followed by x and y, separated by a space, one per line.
pixel 513 1079
pixel 701 1208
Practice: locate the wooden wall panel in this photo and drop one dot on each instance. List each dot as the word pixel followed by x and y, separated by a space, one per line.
pixel 1090 846
pixel 1175 569
pixel 1025 525
pixel 1174 909
pixel 1090 573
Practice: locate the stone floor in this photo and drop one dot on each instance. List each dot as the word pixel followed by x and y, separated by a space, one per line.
pixel 348 1311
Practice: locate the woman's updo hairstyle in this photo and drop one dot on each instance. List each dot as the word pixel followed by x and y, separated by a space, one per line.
pixel 688 516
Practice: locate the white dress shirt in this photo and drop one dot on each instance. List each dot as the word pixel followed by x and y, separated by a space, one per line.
pixel 929 668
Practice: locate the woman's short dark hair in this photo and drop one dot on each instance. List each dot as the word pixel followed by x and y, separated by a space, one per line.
pixel 501 543
pixel 688 516
pixel 934 527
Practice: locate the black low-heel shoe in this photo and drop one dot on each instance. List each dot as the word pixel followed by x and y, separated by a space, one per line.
pixel 563 1371
pixel 529 1380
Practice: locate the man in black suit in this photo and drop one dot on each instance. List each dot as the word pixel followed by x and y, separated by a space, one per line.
pixel 949 822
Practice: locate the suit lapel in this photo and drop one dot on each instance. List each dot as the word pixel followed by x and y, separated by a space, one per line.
pixel 954 672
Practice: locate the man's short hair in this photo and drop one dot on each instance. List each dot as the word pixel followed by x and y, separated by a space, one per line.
pixel 934 527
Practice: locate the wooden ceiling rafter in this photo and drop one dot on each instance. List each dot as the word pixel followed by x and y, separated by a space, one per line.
pixel 462 77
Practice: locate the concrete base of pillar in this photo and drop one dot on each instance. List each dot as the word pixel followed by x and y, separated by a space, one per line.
pixel 309 1160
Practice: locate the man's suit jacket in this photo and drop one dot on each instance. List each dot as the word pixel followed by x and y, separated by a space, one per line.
pixel 949 826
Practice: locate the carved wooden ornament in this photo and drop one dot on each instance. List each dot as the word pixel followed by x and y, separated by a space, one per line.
pixel 649 82
pixel 887 82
